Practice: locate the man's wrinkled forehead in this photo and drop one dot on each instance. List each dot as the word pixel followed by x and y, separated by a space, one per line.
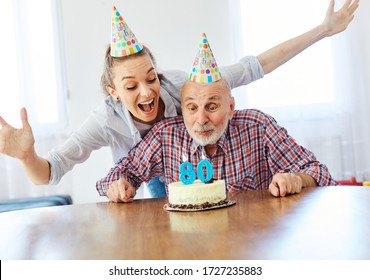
pixel 196 91
pixel 199 97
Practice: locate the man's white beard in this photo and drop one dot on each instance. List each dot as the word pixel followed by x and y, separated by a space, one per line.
pixel 204 141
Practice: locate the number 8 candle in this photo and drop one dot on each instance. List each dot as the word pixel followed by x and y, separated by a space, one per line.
pixel 187 174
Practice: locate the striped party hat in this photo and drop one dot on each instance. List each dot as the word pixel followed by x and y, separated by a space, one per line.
pixel 123 41
pixel 205 69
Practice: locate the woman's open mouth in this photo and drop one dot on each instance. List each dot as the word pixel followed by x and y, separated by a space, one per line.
pixel 147 106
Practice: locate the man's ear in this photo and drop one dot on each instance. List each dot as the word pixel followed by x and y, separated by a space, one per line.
pixel 112 92
pixel 232 107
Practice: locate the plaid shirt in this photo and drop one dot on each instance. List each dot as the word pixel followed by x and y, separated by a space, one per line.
pixel 251 150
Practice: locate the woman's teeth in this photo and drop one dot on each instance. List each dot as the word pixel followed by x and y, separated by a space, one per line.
pixel 147 106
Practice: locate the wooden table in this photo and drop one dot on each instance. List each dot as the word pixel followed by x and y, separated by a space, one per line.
pixel 319 223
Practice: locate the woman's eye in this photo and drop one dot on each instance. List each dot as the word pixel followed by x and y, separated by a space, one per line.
pixel 131 88
pixel 152 80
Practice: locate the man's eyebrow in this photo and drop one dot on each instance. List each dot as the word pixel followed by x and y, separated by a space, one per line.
pixel 214 97
pixel 130 77
pixel 188 98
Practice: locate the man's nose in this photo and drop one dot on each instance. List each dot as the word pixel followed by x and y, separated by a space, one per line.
pixel 202 117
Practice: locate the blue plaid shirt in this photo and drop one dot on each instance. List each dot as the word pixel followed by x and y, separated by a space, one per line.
pixel 251 150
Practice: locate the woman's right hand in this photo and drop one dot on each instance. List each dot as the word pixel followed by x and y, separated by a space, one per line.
pixel 121 191
pixel 337 21
pixel 17 143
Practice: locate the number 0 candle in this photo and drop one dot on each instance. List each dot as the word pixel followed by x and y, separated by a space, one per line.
pixel 209 169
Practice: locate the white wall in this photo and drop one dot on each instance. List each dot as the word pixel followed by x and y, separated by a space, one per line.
pixel 172 29
pixel 361 42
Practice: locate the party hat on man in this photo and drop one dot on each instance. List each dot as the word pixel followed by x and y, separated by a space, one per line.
pixel 205 69
pixel 123 41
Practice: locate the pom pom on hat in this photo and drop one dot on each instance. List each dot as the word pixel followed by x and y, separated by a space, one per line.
pixel 123 42
pixel 205 69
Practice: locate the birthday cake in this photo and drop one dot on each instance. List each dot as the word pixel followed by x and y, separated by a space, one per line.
pixel 197 195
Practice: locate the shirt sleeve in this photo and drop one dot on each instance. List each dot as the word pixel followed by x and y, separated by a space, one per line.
pixel 247 70
pixel 142 163
pixel 286 156
pixel 76 149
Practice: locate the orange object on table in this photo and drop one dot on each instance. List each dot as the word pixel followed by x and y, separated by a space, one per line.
pixel 351 182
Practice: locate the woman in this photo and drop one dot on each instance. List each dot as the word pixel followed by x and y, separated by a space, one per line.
pixel 137 97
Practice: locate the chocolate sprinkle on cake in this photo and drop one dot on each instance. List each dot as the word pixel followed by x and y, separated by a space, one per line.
pixel 210 181
pixel 198 206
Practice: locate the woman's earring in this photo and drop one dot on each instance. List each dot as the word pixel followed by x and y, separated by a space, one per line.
pixel 117 98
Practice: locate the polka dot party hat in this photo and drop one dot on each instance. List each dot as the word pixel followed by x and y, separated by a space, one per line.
pixel 123 41
pixel 205 69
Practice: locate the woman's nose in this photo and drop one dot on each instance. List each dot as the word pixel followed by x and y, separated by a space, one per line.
pixel 144 91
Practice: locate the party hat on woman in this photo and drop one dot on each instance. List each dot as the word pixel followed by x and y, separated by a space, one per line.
pixel 205 69
pixel 123 42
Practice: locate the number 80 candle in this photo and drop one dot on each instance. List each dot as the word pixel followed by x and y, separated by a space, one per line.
pixel 187 174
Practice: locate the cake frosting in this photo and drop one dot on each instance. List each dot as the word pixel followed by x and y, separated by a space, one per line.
pixel 197 194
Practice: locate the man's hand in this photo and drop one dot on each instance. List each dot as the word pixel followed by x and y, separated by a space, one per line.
pixel 285 183
pixel 290 183
pixel 121 191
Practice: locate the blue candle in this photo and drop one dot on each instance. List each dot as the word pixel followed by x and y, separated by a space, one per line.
pixel 209 169
pixel 187 174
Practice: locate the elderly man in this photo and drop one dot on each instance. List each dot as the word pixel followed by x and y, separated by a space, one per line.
pixel 247 148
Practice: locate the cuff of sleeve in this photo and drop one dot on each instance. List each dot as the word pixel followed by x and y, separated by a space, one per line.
pixel 134 183
pixel 55 170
